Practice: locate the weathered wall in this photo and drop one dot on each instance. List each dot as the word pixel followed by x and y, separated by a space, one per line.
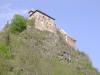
pixel 43 22
pixel 71 41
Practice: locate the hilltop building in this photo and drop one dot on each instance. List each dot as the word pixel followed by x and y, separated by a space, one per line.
pixel 42 20
pixel 45 22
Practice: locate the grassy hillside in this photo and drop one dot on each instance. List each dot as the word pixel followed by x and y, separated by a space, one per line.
pixel 34 52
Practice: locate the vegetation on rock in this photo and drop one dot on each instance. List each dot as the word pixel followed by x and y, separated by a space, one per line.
pixel 34 52
pixel 18 24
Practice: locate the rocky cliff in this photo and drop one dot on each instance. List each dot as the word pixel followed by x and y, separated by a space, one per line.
pixel 34 52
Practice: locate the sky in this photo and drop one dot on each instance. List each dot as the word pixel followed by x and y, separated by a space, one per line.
pixel 80 18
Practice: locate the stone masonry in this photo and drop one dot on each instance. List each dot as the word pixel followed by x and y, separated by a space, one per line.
pixel 45 22
pixel 42 21
pixel 70 41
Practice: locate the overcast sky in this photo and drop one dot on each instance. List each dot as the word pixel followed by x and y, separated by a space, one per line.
pixel 80 18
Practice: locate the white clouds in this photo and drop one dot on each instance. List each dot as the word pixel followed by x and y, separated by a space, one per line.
pixel 7 12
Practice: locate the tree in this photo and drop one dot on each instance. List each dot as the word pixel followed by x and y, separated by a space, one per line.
pixel 18 24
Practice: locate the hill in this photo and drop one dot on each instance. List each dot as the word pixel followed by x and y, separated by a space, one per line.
pixel 35 52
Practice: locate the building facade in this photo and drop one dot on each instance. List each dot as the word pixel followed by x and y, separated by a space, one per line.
pixel 42 21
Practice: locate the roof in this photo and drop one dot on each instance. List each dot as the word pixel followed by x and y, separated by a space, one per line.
pixel 34 11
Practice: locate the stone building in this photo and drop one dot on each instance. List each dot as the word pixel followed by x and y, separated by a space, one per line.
pixel 70 41
pixel 46 22
pixel 42 20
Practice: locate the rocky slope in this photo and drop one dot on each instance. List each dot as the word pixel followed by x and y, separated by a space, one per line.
pixel 34 52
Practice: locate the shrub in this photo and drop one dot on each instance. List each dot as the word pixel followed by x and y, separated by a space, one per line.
pixel 31 22
pixel 5 50
pixel 18 24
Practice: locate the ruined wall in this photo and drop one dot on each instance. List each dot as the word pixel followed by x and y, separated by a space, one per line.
pixel 71 41
pixel 43 22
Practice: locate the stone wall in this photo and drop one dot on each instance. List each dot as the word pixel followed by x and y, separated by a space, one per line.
pixel 69 40
pixel 43 22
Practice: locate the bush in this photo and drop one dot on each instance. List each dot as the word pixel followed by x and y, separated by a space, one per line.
pixel 18 24
pixel 5 50
pixel 31 22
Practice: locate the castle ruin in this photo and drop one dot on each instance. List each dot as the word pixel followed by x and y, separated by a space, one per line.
pixel 45 22
pixel 70 40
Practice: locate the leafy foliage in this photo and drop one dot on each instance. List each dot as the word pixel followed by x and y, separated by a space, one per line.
pixel 18 24
pixel 31 22
pixel 5 50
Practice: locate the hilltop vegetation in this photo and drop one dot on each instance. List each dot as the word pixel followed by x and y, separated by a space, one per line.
pixel 32 52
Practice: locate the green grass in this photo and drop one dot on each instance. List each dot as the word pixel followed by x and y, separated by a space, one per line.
pixel 5 50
